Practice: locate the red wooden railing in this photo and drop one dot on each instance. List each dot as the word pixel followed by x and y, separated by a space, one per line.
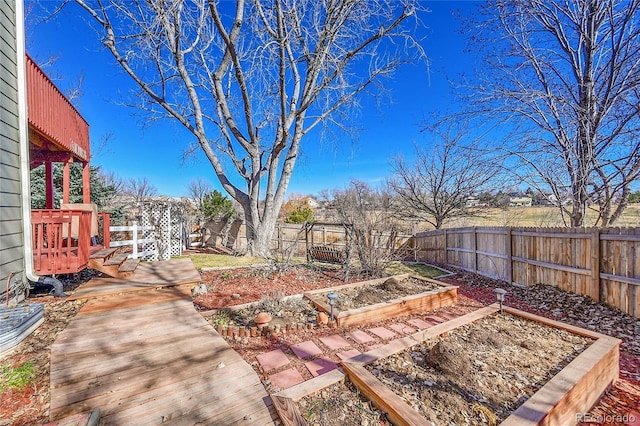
pixel 104 227
pixel 52 115
pixel 62 240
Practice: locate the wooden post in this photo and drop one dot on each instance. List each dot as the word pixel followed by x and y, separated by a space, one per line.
pixel 474 242
pixel 306 241
pixel 106 230
pixel 135 239
pixel 509 254
pixel 49 190
pixel 446 243
pixel 66 182
pixel 595 266
pixel 86 183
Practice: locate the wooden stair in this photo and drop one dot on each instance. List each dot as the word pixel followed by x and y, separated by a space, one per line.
pixel 112 263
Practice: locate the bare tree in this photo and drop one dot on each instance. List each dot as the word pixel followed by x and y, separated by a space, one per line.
pixel 114 181
pixel 198 188
pixel 567 75
pixel 140 189
pixel 437 184
pixel 249 79
pixel 369 215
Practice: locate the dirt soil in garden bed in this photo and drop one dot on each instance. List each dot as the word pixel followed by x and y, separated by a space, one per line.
pixel 338 405
pixel 31 405
pixel 392 288
pixel 282 311
pixel 228 287
pixel 479 373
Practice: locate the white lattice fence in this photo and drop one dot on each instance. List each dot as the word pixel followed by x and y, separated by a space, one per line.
pixel 166 218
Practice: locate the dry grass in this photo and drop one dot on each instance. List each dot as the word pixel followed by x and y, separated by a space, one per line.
pixel 221 260
pixel 537 217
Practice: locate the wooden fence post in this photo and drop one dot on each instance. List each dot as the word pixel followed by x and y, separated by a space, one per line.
pixel 135 239
pixel 279 233
pixel 509 253
pixel 474 241
pixel 446 247
pixel 595 265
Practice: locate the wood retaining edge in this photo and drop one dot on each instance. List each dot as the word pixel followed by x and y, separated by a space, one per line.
pixel 407 305
pixel 574 390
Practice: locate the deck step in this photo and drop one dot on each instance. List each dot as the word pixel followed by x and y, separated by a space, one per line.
pixel 129 265
pixel 117 259
pixel 104 254
pixel 116 265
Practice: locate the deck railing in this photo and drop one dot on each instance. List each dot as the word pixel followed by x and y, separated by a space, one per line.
pixel 62 240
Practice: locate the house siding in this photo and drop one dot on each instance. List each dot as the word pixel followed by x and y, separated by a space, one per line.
pixel 11 225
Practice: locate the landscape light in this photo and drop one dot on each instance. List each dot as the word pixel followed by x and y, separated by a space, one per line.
pixel 332 301
pixel 500 293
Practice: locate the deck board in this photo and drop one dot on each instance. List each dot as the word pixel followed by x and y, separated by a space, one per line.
pixel 146 276
pixel 150 362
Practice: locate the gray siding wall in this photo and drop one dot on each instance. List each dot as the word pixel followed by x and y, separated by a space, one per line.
pixel 11 227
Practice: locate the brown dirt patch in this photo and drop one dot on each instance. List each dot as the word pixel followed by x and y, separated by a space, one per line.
pixel 392 288
pixel 338 405
pixel 229 287
pixel 481 372
pixel 282 311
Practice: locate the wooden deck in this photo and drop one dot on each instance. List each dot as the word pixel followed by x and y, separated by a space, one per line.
pixel 149 358
pixel 146 276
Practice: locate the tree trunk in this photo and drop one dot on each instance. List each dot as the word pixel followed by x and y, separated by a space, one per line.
pixel 260 233
pixel 224 232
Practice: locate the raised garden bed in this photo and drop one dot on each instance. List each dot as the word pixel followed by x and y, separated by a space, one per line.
pixel 327 400
pixel 588 367
pixel 384 298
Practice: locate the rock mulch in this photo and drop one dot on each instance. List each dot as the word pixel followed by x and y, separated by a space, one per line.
pixel 552 302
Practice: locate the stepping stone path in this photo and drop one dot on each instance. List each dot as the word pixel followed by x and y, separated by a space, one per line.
pixel 323 354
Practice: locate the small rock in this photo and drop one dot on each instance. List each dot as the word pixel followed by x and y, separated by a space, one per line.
pixel 199 290
pixel 235 296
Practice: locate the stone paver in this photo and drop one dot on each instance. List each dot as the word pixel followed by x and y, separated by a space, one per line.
pixel 402 328
pixel 334 341
pixel 287 378
pixel 361 337
pixel 272 360
pixel 383 333
pixel 434 319
pixel 419 324
pixel 320 366
pixel 306 349
pixel 348 354
pixel 375 345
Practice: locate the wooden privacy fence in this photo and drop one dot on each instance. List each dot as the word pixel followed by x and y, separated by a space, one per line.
pixel 603 264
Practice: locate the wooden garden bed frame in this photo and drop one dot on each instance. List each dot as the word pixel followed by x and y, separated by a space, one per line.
pixel 407 305
pixel 575 389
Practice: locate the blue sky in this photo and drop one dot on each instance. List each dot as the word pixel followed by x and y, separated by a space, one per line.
pixel 154 151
